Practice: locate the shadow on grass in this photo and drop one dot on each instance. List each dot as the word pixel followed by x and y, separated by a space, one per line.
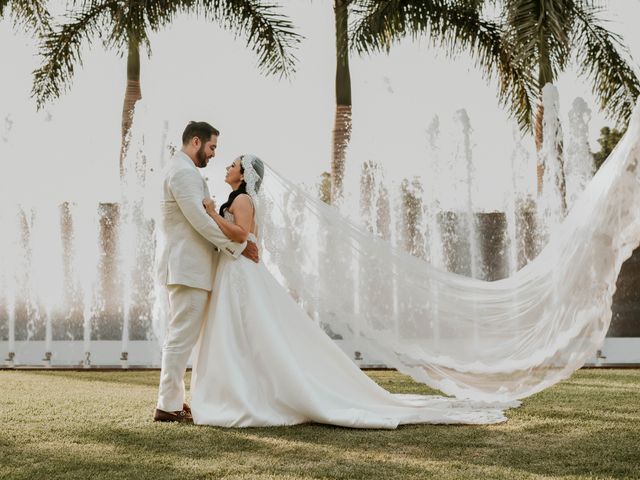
pixel 304 451
pixel 410 451
pixel 19 462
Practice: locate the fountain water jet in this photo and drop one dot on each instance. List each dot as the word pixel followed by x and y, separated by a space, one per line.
pixel 47 268
pixel 85 267
pixel 552 206
pixel 579 166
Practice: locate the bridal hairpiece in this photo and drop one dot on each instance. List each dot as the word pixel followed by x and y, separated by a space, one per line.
pixel 251 177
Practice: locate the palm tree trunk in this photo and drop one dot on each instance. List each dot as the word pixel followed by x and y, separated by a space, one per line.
pixel 539 139
pixel 342 124
pixel 132 94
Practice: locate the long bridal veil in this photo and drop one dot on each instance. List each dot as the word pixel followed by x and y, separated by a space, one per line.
pixel 490 341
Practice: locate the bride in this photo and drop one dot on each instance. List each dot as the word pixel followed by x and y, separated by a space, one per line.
pixel 262 361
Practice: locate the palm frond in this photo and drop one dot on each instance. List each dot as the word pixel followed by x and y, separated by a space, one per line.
pixel 61 50
pixel 269 33
pixel 457 28
pixel 378 25
pixel 541 30
pixel 160 13
pixel 517 86
pixel 31 13
pixel 605 60
pixel 128 21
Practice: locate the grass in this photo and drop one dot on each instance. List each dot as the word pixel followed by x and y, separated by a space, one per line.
pixel 91 425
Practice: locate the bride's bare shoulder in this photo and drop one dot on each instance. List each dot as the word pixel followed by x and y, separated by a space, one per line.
pixel 242 202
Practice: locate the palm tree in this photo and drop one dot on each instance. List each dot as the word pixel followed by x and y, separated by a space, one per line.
pixel 125 25
pixel 548 35
pixel 31 13
pixel 342 122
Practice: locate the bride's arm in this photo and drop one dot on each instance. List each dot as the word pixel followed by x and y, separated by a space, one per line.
pixel 242 210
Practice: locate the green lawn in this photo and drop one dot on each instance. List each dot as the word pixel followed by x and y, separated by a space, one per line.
pixel 90 425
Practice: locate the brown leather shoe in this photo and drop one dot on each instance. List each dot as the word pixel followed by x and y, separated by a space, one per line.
pixel 182 416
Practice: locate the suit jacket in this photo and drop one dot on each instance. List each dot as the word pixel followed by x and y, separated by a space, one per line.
pixel 189 236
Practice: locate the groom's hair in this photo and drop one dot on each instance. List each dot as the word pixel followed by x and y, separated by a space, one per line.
pixel 202 130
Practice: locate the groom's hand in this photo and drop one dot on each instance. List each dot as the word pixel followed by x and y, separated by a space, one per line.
pixel 251 252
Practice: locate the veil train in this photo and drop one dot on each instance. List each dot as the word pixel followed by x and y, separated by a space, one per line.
pixel 489 341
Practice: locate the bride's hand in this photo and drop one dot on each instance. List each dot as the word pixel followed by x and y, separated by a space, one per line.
pixel 209 205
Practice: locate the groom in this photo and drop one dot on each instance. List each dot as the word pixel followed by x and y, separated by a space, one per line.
pixel 188 259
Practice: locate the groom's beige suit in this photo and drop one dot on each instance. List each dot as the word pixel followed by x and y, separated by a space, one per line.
pixel 188 258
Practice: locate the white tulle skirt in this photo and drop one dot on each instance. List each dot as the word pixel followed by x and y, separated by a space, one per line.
pixel 261 361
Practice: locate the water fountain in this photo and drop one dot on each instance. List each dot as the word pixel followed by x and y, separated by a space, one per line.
pixel 466 239
pixel 76 278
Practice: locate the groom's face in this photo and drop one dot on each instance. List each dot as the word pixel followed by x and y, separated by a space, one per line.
pixel 207 151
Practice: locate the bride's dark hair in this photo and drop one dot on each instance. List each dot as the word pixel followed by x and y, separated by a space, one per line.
pixel 258 166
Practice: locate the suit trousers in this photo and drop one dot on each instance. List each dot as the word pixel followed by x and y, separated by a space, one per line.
pixel 187 306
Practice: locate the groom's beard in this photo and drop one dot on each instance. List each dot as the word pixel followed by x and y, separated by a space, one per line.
pixel 201 157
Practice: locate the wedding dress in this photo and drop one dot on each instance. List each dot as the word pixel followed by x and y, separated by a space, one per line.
pixel 261 361
pixel 493 342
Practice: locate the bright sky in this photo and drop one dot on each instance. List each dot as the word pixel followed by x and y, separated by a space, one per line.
pixel 197 71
